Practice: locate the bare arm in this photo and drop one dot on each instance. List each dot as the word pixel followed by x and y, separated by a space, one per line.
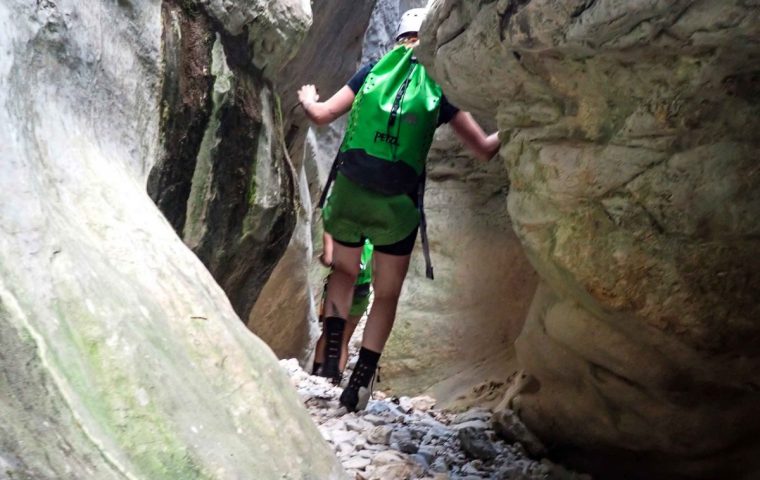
pixel 467 129
pixel 323 113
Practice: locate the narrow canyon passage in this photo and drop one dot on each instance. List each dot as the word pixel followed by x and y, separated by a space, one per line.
pixel 596 281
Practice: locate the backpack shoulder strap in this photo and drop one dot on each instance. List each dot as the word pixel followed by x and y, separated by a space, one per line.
pixel 423 227
pixel 330 180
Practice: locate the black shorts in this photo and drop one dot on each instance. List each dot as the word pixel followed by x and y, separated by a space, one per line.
pixel 400 248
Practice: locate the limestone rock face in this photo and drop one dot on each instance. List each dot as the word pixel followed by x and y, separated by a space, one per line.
pixel 271 28
pixel 632 157
pixel 224 178
pixel 120 357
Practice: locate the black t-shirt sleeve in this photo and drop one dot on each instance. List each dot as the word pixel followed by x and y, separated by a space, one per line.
pixel 447 111
pixel 356 82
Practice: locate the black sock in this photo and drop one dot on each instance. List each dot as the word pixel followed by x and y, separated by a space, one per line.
pixel 315 368
pixel 369 357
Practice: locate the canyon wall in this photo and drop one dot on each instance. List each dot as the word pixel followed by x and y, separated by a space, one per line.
pixel 631 144
pixel 120 356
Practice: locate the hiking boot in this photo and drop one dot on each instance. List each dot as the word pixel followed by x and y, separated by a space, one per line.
pixel 355 400
pixel 333 339
pixel 358 391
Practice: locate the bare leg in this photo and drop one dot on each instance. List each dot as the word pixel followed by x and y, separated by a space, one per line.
pixel 388 278
pixel 340 291
pixel 340 287
pixel 351 324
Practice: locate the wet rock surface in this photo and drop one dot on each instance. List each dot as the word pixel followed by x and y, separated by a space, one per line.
pixel 408 438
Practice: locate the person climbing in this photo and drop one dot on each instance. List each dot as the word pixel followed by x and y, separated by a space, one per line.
pixel 359 305
pixel 375 189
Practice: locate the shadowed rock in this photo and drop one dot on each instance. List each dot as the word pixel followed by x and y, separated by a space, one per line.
pixel 224 178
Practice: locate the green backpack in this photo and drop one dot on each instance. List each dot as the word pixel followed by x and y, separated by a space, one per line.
pixel 391 126
pixel 390 129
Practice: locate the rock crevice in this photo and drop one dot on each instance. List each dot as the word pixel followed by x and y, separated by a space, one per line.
pixel 224 180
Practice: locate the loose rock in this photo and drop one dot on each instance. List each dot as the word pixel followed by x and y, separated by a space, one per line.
pixel 380 434
pixel 507 425
pixel 476 443
pixel 412 440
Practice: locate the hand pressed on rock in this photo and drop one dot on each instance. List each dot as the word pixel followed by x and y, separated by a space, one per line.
pixel 307 95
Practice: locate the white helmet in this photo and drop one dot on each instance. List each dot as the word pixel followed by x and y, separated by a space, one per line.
pixel 411 21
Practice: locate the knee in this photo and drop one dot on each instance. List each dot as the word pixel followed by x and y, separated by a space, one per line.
pixel 344 268
pixel 389 293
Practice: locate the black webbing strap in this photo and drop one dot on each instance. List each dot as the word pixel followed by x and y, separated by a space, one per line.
pixel 423 227
pixel 330 180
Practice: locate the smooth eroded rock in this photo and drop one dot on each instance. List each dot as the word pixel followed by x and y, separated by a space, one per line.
pixel 121 357
pixel 632 159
